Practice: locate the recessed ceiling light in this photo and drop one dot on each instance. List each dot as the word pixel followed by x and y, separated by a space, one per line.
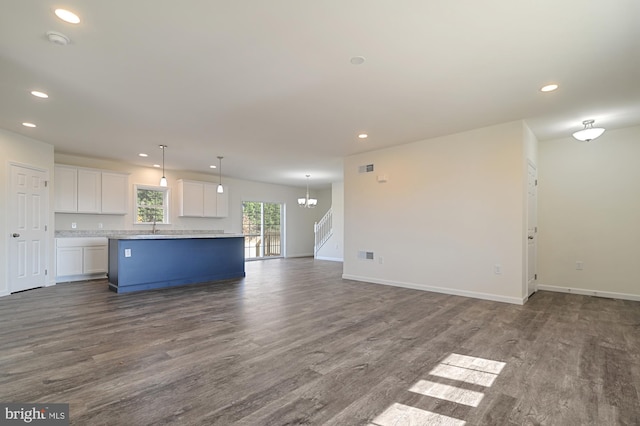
pixel 39 94
pixel 363 135
pixel 156 165
pixel 142 154
pixel 67 16
pixel 357 60
pixel 213 167
pixel 28 124
pixel 549 88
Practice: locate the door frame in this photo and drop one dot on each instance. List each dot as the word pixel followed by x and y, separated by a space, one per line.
pixel 8 223
pixel 532 285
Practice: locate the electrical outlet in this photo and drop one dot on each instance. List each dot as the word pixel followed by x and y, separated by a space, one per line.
pixel 74 225
pixel 100 225
pixel 380 260
pixel 497 269
pixel 127 252
pixel 579 265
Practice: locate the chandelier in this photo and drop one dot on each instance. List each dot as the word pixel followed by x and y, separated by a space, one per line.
pixel 306 201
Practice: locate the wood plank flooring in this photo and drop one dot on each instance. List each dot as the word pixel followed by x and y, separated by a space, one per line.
pixel 294 344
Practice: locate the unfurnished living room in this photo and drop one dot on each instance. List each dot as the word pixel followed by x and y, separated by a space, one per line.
pixel 341 213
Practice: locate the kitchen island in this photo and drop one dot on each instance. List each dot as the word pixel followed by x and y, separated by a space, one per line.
pixel 150 261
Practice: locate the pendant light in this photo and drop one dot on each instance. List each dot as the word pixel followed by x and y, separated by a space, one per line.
pixel 306 201
pixel 589 132
pixel 163 179
pixel 220 188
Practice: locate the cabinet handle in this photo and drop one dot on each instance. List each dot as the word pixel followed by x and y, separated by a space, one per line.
pixel 16 235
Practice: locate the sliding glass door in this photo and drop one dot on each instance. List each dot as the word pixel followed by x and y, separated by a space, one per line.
pixel 262 229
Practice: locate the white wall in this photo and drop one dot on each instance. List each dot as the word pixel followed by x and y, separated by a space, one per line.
pixel 452 208
pixel 334 247
pixel 19 149
pixel 299 222
pixel 589 211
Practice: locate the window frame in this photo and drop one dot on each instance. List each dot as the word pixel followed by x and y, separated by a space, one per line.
pixel 165 207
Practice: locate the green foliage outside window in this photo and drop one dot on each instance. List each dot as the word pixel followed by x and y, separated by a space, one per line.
pixel 151 205
pixel 261 224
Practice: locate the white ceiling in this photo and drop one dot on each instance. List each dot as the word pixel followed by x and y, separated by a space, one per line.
pixel 269 84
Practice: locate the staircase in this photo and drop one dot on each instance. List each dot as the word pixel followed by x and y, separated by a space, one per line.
pixel 323 230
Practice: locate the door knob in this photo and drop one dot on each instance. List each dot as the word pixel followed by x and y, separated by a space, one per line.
pixel 16 235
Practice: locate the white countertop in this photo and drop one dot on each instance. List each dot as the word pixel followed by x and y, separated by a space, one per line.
pixel 171 236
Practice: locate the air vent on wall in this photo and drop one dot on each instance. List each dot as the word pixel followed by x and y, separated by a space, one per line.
pixel 365 255
pixel 365 169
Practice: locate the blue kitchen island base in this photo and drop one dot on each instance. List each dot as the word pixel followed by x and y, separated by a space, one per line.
pixel 149 262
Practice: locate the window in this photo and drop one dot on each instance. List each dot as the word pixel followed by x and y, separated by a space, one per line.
pixel 262 229
pixel 152 204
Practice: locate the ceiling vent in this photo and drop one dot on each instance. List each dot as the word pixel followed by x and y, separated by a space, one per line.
pixel 58 38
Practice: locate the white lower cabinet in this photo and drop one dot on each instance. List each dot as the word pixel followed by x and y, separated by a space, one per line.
pixel 81 258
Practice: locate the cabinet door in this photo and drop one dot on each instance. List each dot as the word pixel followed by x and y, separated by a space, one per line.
pixel 114 193
pixel 223 203
pixel 210 200
pixel 89 191
pixel 191 198
pixel 68 261
pixel 66 189
pixel 95 260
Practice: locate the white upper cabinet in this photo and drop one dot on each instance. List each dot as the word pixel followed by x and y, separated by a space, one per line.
pixel 200 199
pixel 66 189
pixel 81 190
pixel 89 191
pixel 114 193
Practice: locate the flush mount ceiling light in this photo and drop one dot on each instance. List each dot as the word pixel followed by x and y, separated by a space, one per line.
pixel 28 124
pixel 363 136
pixel 549 88
pixel 163 180
pixel 142 154
pixel 39 94
pixel 220 187
pixel 306 201
pixel 589 132
pixel 357 60
pixel 67 16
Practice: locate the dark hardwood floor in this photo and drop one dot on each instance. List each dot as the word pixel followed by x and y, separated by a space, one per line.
pixel 294 344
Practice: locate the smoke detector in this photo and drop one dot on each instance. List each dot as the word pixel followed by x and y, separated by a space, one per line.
pixel 58 38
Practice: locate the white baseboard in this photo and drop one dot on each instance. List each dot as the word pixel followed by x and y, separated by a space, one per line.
pixel 452 291
pixel 599 293
pixel 332 259
pixel 4 293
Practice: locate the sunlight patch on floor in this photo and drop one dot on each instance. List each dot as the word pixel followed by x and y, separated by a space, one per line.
pixel 448 393
pixel 474 363
pixel 465 375
pixel 404 415
pixel 464 369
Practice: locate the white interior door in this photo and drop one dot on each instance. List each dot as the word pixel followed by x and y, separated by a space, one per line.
pixel 532 228
pixel 28 213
